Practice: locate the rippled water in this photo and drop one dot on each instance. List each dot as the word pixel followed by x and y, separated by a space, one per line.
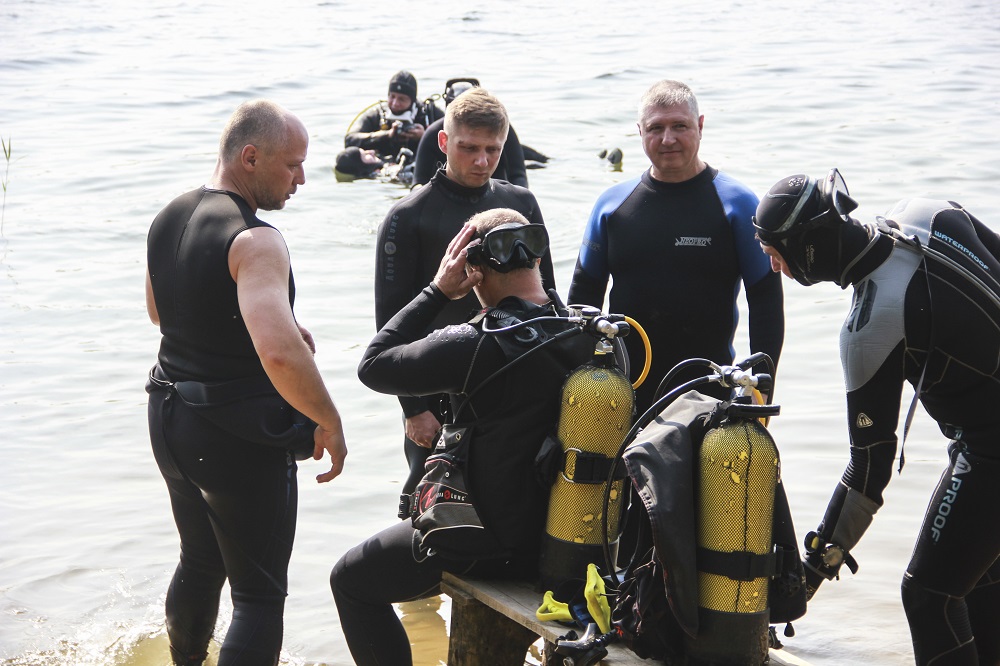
pixel 114 108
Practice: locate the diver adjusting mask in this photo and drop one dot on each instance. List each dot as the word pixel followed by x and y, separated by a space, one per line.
pixel 510 246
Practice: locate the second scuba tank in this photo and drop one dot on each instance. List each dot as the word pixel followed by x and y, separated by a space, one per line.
pixel 738 470
pixel 596 414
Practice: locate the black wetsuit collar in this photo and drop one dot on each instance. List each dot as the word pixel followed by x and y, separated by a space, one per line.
pixel 460 192
pixel 874 254
pixel 707 174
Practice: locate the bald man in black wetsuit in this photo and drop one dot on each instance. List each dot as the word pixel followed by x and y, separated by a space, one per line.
pixel 233 384
pixel 417 230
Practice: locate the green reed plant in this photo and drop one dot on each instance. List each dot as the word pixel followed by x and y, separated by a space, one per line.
pixel 6 177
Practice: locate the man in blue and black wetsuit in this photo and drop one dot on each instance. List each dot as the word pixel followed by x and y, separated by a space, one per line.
pixel 927 311
pixel 418 228
pixel 508 407
pixel 677 241
pixel 235 397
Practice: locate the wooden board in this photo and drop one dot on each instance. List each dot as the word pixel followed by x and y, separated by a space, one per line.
pixel 518 602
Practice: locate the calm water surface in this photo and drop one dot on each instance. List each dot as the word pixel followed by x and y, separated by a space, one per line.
pixel 114 108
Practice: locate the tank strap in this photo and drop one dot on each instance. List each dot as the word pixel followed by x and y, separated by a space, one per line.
pixel 740 565
pixel 589 467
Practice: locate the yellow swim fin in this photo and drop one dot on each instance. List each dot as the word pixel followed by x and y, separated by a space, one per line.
pixel 597 599
pixel 553 610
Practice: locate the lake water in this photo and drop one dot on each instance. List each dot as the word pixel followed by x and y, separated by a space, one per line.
pixel 114 108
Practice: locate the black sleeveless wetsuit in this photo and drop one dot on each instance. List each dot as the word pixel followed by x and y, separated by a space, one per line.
pixel 904 306
pixel 676 253
pixel 430 158
pixel 411 241
pixel 234 501
pixel 512 414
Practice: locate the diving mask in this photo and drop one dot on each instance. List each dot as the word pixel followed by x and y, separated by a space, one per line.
pixel 510 246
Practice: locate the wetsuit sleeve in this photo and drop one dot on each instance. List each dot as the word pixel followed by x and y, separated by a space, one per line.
pixel 513 155
pixel 366 132
pixel 765 301
pixel 396 276
pixel 590 277
pixel 400 361
pixel 873 415
pixel 428 157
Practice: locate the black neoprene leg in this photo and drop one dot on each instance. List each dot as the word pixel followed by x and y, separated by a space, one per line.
pixel 956 551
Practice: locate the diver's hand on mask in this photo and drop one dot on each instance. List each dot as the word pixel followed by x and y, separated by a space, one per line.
pixel 452 278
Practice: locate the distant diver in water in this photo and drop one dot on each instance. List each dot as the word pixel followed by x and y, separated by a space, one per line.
pixel 396 123
pixel 361 163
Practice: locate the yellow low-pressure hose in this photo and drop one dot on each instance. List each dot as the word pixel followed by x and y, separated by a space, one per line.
pixel 361 112
pixel 649 352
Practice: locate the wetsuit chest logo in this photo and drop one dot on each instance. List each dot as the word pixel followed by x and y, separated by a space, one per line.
pixel 693 241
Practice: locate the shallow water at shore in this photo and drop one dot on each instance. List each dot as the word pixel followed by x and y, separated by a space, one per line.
pixel 112 109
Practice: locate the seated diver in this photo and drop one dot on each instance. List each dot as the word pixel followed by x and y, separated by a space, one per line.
pixel 395 123
pixel 430 157
pixel 355 163
pixel 509 414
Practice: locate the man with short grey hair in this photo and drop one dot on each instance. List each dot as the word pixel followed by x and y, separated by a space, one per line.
pixel 677 241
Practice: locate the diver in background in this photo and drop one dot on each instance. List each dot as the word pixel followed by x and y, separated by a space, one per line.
pixel 355 163
pixel 926 311
pixel 397 123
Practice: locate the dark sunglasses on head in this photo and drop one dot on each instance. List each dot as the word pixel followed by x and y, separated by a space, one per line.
pixel 509 247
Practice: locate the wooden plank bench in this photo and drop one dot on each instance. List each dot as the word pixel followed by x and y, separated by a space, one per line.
pixel 493 622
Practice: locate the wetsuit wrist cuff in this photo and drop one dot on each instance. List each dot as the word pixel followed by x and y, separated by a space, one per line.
pixel 435 293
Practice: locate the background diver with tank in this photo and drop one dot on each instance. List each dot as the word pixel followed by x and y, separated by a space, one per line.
pixel 926 309
pixel 398 122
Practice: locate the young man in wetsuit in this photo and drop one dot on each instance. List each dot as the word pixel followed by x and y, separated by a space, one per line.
pixel 677 241
pixel 509 413
pixel 418 228
pixel 429 156
pixel 235 396
pixel 927 311
pixel 397 123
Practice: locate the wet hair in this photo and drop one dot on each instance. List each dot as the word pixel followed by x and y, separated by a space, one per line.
pixel 260 123
pixel 667 93
pixel 476 109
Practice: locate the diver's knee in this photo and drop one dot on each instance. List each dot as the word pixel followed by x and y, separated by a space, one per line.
pixel 915 596
pixel 340 578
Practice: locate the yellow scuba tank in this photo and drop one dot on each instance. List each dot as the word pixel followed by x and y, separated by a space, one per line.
pixel 595 416
pixel 738 469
